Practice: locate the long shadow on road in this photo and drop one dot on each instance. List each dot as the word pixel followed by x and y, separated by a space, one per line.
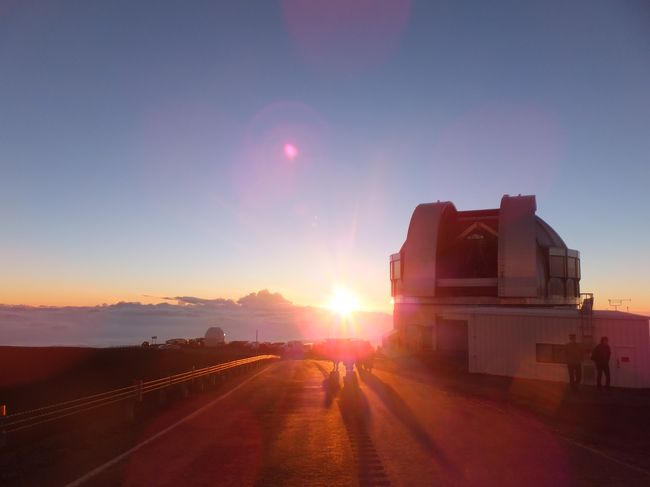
pixel 356 415
pixel 331 384
pixel 322 369
pixel 401 410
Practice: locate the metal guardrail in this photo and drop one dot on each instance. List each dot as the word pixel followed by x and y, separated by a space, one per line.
pixel 34 417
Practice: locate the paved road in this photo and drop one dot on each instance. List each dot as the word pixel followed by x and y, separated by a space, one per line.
pixel 283 426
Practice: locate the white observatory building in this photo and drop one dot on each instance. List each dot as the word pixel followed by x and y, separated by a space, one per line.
pixel 499 291
pixel 214 337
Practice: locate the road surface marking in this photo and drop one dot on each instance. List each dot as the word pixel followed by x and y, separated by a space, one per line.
pixel 137 447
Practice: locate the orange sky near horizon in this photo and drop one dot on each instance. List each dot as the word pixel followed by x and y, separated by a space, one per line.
pixel 73 296
pixel 70 295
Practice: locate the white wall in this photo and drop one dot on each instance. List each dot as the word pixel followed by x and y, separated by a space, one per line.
pixel 505 344
pixel 626 335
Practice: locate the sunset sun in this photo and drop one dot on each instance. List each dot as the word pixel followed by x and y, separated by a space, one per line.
pixel 343 301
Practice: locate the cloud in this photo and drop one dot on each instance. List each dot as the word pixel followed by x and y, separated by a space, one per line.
pixel 123 323
pixel 11 317
pixel 264 299
pixel 191 300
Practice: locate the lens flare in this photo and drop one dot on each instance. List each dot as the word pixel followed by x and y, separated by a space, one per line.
pixel 290 151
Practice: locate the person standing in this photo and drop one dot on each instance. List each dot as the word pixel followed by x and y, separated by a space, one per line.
pixel 600 356
pixel 574 361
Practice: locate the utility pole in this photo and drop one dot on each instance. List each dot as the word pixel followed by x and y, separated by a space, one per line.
pixel 256 335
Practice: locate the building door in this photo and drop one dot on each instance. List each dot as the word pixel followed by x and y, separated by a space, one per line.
pixel 624 373
pixel 451 339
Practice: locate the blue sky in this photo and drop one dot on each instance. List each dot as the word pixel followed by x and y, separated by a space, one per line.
pixel 141 145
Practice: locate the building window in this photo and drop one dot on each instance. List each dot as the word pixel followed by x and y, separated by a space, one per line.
pixel 571 290
pixel 395 270
pixel 557 266
pixel 550 353
pixel 572 267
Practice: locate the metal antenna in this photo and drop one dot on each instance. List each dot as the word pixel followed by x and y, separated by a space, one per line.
pixel 615 303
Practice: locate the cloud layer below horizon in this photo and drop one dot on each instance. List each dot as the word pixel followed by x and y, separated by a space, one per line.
pixel 130 323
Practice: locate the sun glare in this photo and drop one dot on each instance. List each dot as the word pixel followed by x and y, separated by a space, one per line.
pixel 343 302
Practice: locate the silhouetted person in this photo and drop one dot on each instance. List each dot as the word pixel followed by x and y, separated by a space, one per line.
pixel 370 361
pixel 600 356
pixel 333 380
pixel 335 365
pixel 349 368
pixel 574 361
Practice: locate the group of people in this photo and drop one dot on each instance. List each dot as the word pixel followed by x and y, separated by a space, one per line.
pixel 348 352
pixel 600 356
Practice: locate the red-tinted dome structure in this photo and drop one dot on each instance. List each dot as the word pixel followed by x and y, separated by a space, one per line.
pixel 503 256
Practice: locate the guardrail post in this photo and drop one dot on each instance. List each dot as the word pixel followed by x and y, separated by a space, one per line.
pixel 198 382
pixel 132 405
pixel 163 392
pixel 3 433
pixel 139 383
pixel 185 388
